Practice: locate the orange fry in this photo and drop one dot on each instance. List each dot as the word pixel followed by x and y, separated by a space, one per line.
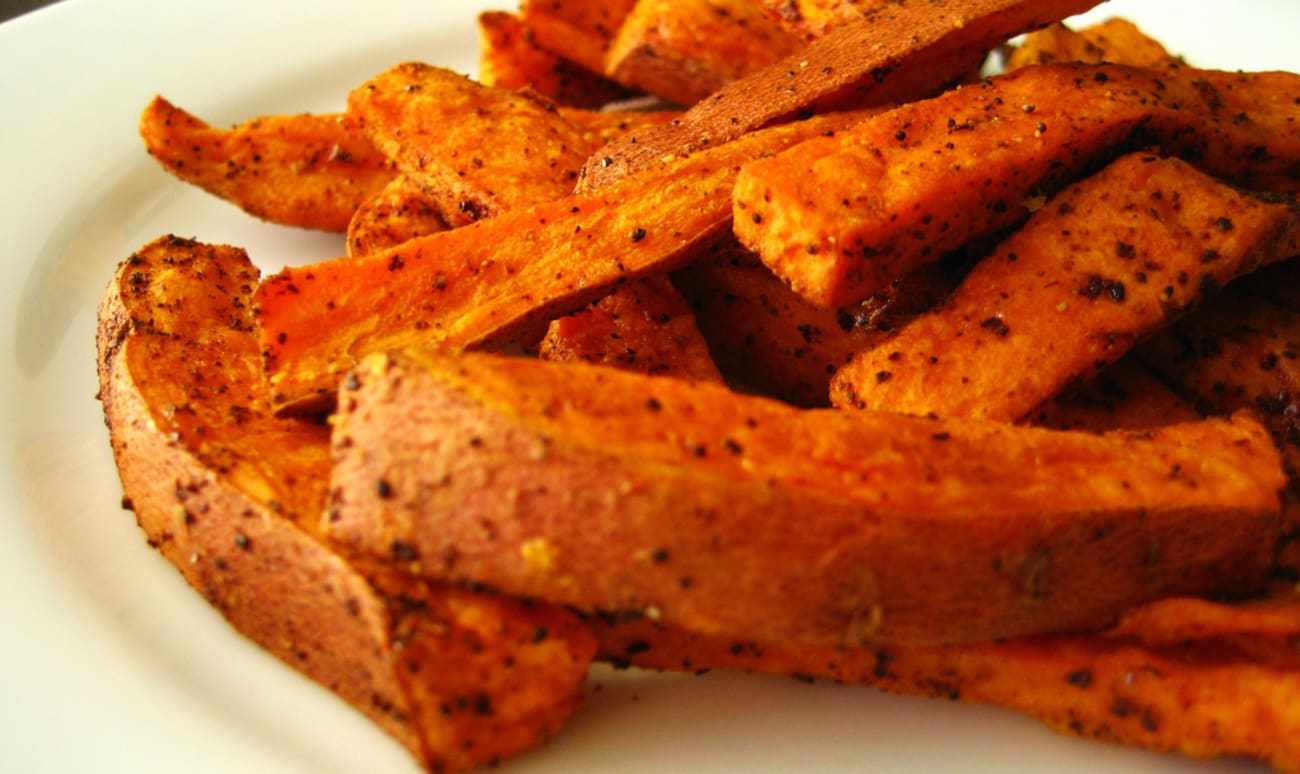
pixel 503 279
pixel 310 171
pixel 841 218
pixel 617 492
pixel 1099 268
pixel 486 150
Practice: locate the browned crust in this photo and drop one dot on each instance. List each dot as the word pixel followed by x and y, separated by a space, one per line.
pixel 453 676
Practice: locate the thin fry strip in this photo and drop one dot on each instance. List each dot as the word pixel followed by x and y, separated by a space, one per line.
pixel 1098 269
pixel 909 51
pixel 308 171
pixel 841 218
pixel 1200 699
pixel 500 280
pixel 613 492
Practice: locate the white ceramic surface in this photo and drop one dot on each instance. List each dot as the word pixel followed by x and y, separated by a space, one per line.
pixel 110 663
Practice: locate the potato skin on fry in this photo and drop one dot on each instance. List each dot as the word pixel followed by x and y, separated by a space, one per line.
pixel 739 516
pixel 232 496
pixel 309 171
pixel 840 218
pixel 898 52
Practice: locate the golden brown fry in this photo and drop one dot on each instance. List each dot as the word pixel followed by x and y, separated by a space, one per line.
pixel 912 50
pixel 511 58
pixel 309 171
pixel 644 326
pixel 1099 268
pixel 232 496
pixel 684 50
pixel 1118 41
pixel 501 280
pixel 1201 699
pixel 612 491
pixel 485 150
pixel 840 218
pixel 581 30
pixel 767 339
pixel 397 214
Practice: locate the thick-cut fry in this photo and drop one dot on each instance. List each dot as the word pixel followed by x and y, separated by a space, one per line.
pixel 580 30
pixel 910 51
pixel 612 492
pixel 485 150
pixel 503 279
pixel 232 496
pixel 1201 699
pixel 643 326
pixel 841 218
pixel 767 339
pixel 1099 268
pixel 1118 41
pixel 310 171
pixel 684 50
pixel 397 214
pixel 511 58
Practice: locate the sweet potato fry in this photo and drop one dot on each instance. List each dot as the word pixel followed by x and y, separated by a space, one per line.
pixel 309 171
pixel 684 51
pixel 1200 699
pixel 1240 351
pixel 581 30
pixel 500 280
pixel 511 58
pixel 1099 268
pixel 612 491
pixel 232 496
pixel 1127 395
pixel 397 214
pixel 910 51
pixel 838 219
pixel 767 339
pixel 602 126
pixel 485 149
pixel 1118 41
pixel 644 326
pixel 812 19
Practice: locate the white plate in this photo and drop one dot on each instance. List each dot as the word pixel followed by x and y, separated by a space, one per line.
pixel 110 663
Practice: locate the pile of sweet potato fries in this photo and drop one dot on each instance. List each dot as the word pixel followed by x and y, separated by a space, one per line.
pixel 771 335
